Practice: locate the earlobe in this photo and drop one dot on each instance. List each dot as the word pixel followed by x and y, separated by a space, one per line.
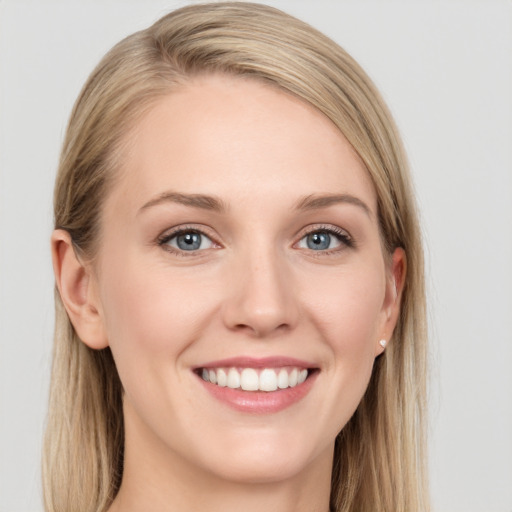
pixel 392 301
pixel 75 283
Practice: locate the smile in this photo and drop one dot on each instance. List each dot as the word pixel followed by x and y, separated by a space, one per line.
pixel 258 385
pixel 255 379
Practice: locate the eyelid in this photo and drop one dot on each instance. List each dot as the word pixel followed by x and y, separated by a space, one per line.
pixel 163 239
pixel 344 237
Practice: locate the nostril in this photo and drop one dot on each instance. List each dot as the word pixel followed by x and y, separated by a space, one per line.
pixel 261 329
pixel 259 299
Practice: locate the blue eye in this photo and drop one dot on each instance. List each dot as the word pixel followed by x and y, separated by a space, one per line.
pixel 188 241
pixel 324 240
pixel 318 241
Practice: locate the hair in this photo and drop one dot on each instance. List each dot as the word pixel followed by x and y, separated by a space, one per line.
pixel 379 459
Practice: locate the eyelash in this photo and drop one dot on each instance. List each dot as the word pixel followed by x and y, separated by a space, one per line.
pixel 164 239
pixel 340 234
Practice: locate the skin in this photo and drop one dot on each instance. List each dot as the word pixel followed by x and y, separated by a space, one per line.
pixel 256 289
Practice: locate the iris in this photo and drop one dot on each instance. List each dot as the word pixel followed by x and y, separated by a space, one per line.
pixel 318 241
pixel 189 241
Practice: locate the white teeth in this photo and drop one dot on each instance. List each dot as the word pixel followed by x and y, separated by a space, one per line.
pixel 222 378
pixel 233 379
pixel 282 379
pixel 268 380
pixel 250 379
pixel 292 378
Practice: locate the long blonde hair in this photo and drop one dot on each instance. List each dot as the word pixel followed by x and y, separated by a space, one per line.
pixel 379 461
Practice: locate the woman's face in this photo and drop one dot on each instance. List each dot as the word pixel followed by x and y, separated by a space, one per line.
pixel 240 244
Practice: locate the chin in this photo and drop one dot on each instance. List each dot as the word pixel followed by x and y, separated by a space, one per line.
pixel 259 471
pixel 265 461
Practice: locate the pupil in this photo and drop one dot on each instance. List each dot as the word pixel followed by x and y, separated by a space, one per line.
pixel 189 241
pixel 319 241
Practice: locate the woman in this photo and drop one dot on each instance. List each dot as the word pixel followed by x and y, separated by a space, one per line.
pixel 240 306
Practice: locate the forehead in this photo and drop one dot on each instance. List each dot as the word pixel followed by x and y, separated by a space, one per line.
pixel 235 138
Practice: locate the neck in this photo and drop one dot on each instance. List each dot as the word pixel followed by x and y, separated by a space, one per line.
pixel 224 497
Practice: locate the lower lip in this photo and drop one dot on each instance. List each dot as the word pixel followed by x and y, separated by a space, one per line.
pixel 260 402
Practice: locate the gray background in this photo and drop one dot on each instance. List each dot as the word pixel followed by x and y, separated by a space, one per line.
pixel 445 69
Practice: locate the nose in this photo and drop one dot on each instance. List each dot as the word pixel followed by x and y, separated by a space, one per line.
pixel 261 300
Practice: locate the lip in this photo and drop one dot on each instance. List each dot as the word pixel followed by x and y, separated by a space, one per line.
pixel 257 363
pixel 259 402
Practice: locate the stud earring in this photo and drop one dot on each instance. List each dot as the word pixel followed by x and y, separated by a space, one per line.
pixel 383 343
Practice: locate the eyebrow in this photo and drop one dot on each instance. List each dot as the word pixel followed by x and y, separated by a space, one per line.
pixel 316 202
pixel 212 203
pixel 194 200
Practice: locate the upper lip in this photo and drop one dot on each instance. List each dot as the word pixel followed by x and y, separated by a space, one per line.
pixel 263 362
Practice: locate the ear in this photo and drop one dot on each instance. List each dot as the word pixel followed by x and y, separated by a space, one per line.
pixel 77 287
pixel 391 307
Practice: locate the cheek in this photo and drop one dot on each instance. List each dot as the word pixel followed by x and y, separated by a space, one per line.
pixel 150 311
pixel 349 318
pixel 349 311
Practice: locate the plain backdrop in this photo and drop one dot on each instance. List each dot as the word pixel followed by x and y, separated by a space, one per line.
pixel 445 68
